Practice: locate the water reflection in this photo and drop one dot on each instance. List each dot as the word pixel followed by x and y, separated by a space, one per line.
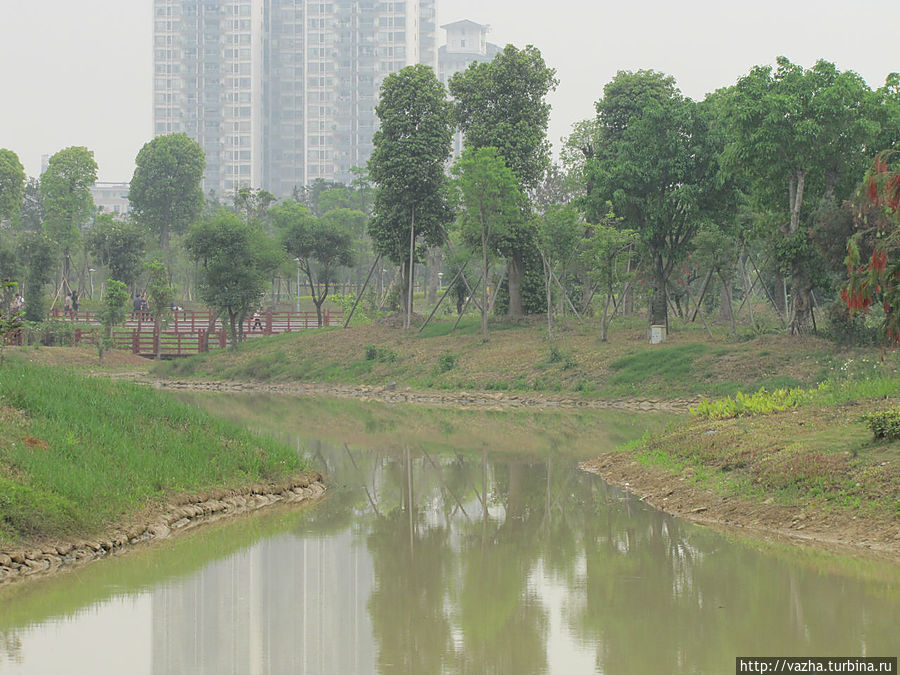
pixel 459 542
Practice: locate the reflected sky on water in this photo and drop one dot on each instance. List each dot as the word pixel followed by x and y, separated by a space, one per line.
pixel 451 542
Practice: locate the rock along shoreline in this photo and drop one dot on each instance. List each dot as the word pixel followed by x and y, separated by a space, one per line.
pixel 171 520
pixel 391 393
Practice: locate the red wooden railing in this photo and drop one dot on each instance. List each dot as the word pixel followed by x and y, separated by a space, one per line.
pixel 186 330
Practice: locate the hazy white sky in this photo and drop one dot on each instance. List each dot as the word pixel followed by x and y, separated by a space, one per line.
pixel 78 72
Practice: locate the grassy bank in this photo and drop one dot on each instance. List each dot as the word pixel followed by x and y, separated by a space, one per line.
pixel 520 358
pixel 815 469
pixel 78 453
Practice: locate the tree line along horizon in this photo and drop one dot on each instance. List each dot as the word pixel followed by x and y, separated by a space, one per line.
pixel 784 184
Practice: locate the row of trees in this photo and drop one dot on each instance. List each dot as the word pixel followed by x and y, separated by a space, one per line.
pixel 655 193
pixel 656 183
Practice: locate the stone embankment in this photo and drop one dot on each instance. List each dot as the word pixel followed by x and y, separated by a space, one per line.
pixel 390 393
pixel 175 518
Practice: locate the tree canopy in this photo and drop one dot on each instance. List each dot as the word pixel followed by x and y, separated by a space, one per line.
pixel 12 184
pixel 235 259
pixel 165 192
pixel 411 148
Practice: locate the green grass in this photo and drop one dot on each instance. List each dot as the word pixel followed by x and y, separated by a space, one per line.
pixel 77 453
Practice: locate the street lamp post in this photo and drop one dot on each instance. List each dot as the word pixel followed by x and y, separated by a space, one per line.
pixel 297 260
pixel 91 270
pixel 440 282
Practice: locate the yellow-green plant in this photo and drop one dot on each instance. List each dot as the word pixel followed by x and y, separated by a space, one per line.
pixel 762 402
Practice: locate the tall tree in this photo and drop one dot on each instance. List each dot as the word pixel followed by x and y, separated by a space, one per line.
pixel 66 197
pixel 252 202
pixel 236 259
pixel 657 168
pixel 118 246
pixel 407 166
pixel 165 192
pixel 560 235
pixel 12 184
pixel 32 215
pixel 502 104
pixel 490 202
pixel 115 309
pixel 320 248
pixel 160 294
pixel 803 133
pixel 37 253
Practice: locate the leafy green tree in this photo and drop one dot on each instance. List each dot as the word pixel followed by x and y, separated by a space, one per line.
pixel 502 104
pixel 10 316
pixel 37 254
pixel 32 213
pixel 658 170
pixel 165 192
pixel 252 203
pixel 607 252
pixel 354 222
pixel 160 295
pixel 412 146
pixel 319 247
pixel 118 246
pixel 12 184
pixel 560 235
pixel 66 198
pixel 800 133
pixel 115 309
pixel 490 203
pixel 236 258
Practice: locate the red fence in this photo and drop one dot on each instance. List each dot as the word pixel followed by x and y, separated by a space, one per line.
pixel 186 331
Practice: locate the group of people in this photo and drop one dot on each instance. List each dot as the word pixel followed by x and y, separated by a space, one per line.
pixel 139 308
pixel 70 307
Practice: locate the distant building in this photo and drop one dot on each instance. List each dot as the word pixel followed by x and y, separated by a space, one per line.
pixel 111 198
pixel 466 44
pixel 279 93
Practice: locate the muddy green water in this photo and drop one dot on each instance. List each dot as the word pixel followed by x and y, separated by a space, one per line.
pixel 451 542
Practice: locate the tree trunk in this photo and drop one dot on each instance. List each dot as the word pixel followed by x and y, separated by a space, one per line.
pixel 232 328
pixel 727 303
pixel 484 272
pixel 604 320
pixel 780 295
pixel 627 301
pixel 801 301
pixel 659 310
pixel 164 237
pixel 515 268
pixel 412 265
pixel 434 268
pixel 549 301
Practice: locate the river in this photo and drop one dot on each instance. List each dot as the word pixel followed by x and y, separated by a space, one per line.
pixel 450 541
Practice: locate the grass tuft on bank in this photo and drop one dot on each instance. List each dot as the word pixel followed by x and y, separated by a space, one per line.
pixel 810 449
pixel 78 453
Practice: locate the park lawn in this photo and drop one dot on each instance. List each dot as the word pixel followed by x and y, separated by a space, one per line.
pixel 79 453
pixel 519 358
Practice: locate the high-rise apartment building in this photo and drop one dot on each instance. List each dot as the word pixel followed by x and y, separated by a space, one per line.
pixel 280 93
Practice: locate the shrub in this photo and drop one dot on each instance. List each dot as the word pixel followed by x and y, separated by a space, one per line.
pixel 382 354
pixel 51 333
pixel 884 423
pixel 761 403
pixel 447 361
